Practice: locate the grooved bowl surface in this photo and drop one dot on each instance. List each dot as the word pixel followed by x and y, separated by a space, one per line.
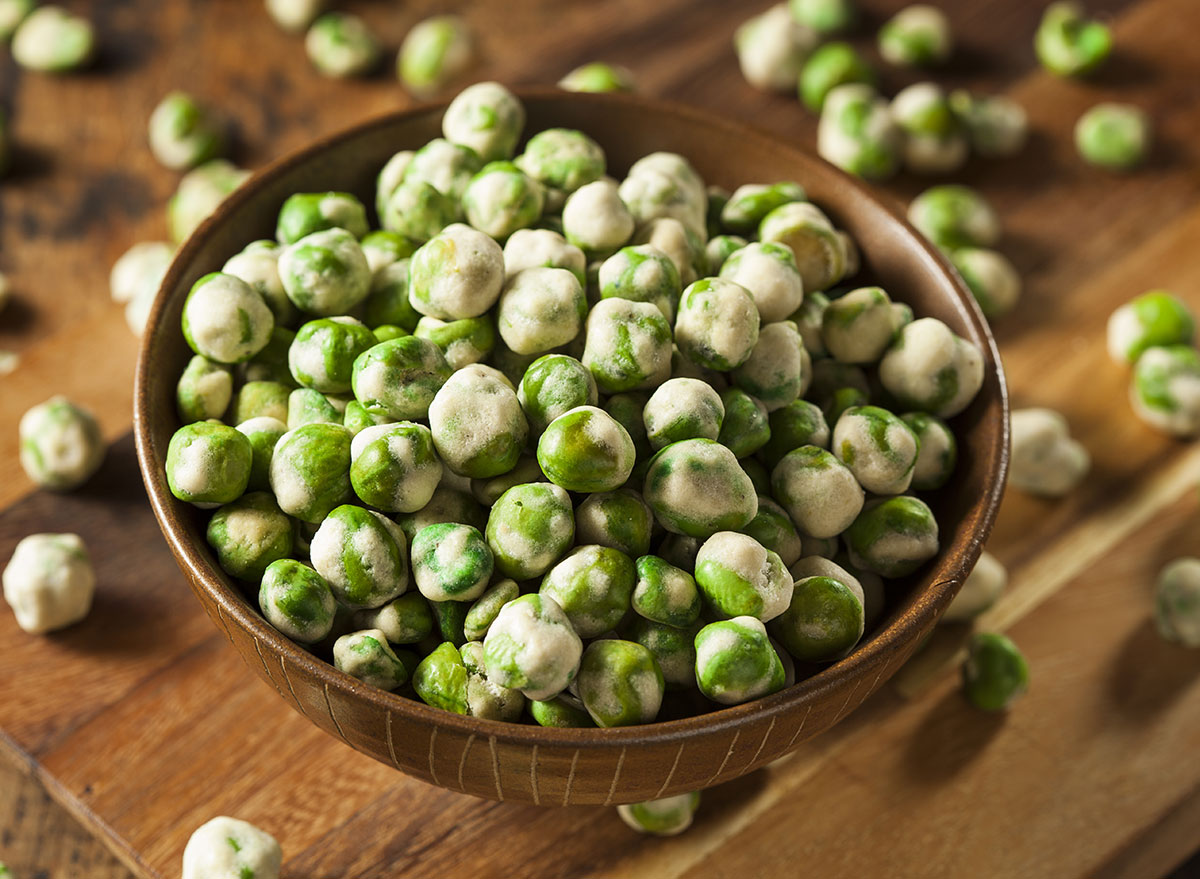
pixel 569 766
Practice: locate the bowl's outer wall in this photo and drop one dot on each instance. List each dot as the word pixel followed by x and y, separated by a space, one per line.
pixel 549 766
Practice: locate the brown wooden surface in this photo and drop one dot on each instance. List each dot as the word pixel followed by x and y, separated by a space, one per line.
pixel 1094 773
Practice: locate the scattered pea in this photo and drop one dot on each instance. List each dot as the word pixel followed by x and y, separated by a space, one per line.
pixel 183 133
pixel 200 192
pixel 1045 459
pixel 992 279
pixel 1177 602
pixel 916 36
pixel 772 48
pixel 829 66
pixel 1070 44
pixel 858 132
pixel 598 76
pixel 980 590
pixel 1113 136
pixel 954 216
pixel 435 52
pixel 996 125
pixel 49 582
pixel 1165 390
pixel 51 40
pixel 668 816
pixel 995 673
pixel 824 16
pixel 229 847
pixel 1157 318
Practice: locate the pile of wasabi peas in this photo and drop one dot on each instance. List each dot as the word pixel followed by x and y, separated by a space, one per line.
pixel 558 447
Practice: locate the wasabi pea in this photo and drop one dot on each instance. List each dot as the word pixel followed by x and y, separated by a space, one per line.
pixel 1113 136
pixel 403 620
pixel 818 491
pixel 823 622
pixel 60 444
pixel 306 406
pixel 991 278
pixel 200 192
pixel 829 66
pixel 768 272
pixel 824 16
pixel 682 408
pixel 487 607
pixel 655 194
pixel 628 345
pixel 553 385
pixel 249 534
pixel 138 271
pixel 1156 318
pixel 531 647
pixel 1165 390
pixel 749 204
pixel 778 368
pixel 182 133
pixel 382 249
pixel 718 324
pixel 745 428
pixel 229 847
pixel 718 249
pixel 340 45
pixel 458 273
pixel 937 452
pixel 435 52
pixel 597 76
pixel 593 586
pixel 225 320
pixel 695 487
pixel 586 449
pixel 441 679
pixel 263 432
pixel 562 159
pixel 934 140
pixel 462 342
pixel 1045 459
pixel 367 656
pixel 996 125
pixel 51 40
pixel 446 505
pixel 735 661
pixel 563 711
pixel 542 248
pixel 295 15
pixel 451 562
pixel 310 471
pixel 501 199
pixel 1069 44
pixel 844 399
pixel 388 300
pixel 307 212
pixel 49 582
pixel 668 816
pixel 916 36
pixel 681 243
pixel 954 216
pixel 486 698
pixel 297 601
pixel 995 673
pixel 931 369
pixel 362 555
pixel 797 424
pixel 208 464
pixel 772 48
pixel 595 218
pixel 879 448
pixel 620 683
pixel 487 118
pixel 258 266
pixel 680 550
pixel 829 376
pixel 487 491
pixel 980 590
pixel 325 273
pixel 664 593
pixel 893 537
pixel 616 519
pixel 1177 602
pixel 774 530
pixel 819 251
pixel 858 132
pixel 400 377
pixel 540 309
pixel 477 423
pixel 270 364
pixel 416 210
pixel 739 577
pixel 530 526
pixel 323 353
pixel 358 417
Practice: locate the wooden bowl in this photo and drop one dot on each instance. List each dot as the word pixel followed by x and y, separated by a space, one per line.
pixel 582 766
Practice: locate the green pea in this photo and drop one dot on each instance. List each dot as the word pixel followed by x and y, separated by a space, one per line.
pixel 225 320
pixel 824 16
pixel 553 385
pixel 995 673
pixel 879 448
pixel 208 464
pixel 323 353
pixel 823 622
pixel 750 203
pixel 696 487
pixel 586 449
pixel 735 661
pixel 718 250
pixel 310 471
pixel 1165 389
pixel 938 451
pixel 818 491
pixel 306 406
pixel 271 363
pixel 620 683
pixel 954 216
pixel 532 647
pixel 563 711
pixel 446 505
pixel 562 159
pixel 917 36
pixel 417 210
pixel 182 133
pixel 674 649
pixel 204 390
pixel 487 118
pixel 451 562
pixel 1069 44
pixel 249 534
pixel 1157 318
pixel 297 601
pixel 199 194
pixel 773 528
pixel 383 248
pixel 487 607
pixel 404 620
pixel 641 273
pixel 597 76
pixel 745 428
pixel 738 576
pixel 401 377
pixel 593 585
pixel 361 554
pixel 436 51
pixel 367 656
pixel 325 273
pixel 394 466
pixel 893 537
pixel 261 399
pixel 51 40
pixel 800 423
pixel 1113 136
pixel 617 519
pixel 683 408
pixel 451 618
pixel 264 433
pixel 831 65
pixel 628 346
pixel 501 198
pixel 665 593
pixel 306 212
pixel 488 491
pixel 718 324
pixel 668 816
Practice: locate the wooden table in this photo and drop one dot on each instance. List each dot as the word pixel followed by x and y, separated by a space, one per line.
pixel 1094 773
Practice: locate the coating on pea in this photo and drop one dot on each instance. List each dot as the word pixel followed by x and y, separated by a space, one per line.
pixel 487 607
pixel 937 452
pixel 540 309
pixel 61 446
pixel 668 816
pixel 229 847
pixel 297 601
pixel 437 51
pixel 593 586
pixel 530 526
pixel 208 464
pixel 451 562
pixel 682 408
pixel 201 192
pixel 739 577
pixel 735 661
pixel 264 433
pixel 487 118
pixel 310 471
pixel 51 40
pixel 931 369
pixel 403 620
pixel 182 133
pixel 401 377
pixel 458 273
pixel 718 324
pixel 818 491
pixel 249 534
pixel 824 16
pixel 916 36
pixel 954 216
pixel 893 537
pixel 543 248
pixel 995 672
pixel 595 218
pixel 225 320
pixel 1165 389
pixel 879 448
pixel 664 593
pixel 367 656
pixel 695 487
pixel 799 423
pixel 823 622
pixel 995 124
pixel 1069 44
pixel 325 273
pixel 620 683
pixel 417 210
pixel 553 385
pixel 772 48
pixel 991 277
pixel 562 159
pixel 478 426
pixel 532 647
pixel 778 369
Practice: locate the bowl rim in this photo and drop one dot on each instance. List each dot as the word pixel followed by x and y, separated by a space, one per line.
pixel 230 603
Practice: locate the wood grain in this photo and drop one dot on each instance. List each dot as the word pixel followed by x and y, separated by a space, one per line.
pixel 1093 774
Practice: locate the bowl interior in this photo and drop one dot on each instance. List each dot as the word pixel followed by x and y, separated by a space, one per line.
pixel 725 154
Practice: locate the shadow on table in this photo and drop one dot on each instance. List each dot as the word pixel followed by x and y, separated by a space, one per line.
pixel 951 736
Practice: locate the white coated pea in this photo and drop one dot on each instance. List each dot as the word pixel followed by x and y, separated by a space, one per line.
pixel 49 582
